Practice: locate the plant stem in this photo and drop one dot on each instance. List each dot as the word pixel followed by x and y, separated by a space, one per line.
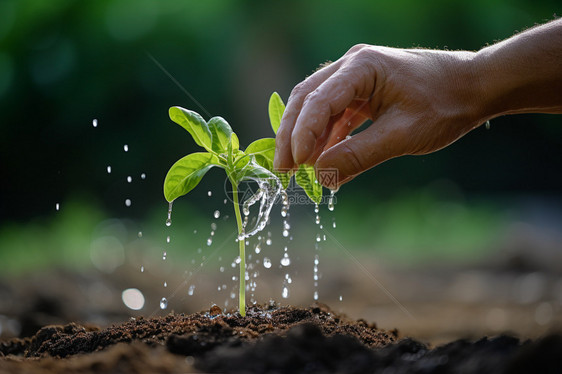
pixel 242 246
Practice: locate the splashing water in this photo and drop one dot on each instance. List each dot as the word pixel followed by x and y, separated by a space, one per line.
pixel 267 193
pixel 251 201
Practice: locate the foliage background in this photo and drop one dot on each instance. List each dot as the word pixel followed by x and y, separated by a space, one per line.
pixel 64 63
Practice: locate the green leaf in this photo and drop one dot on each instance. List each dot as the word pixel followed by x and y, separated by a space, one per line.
pixel 186 173
pixel 254 171
pixel 285 178
pixel 221 133
pixel 306 178
pixel 263 151
pixel 235 142
pixel 276 109
pixel 194 124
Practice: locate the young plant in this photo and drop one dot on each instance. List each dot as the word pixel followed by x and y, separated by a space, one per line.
pixel 254 163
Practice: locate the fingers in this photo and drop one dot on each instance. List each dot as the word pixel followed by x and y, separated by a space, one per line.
pixel 357 154
pixel 350 120
pixel 283 159
pixel 330 98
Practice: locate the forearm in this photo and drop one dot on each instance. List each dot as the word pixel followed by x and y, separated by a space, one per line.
pixel 522 74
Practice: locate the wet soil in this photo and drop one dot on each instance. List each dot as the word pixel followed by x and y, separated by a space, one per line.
pixel 270 339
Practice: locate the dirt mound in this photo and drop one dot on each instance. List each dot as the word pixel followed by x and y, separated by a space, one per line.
pixel 270 339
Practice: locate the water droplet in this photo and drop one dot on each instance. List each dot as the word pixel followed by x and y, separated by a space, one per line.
pixel 169 219
pixel 213 226
pixel 209 242
pixel 143 176
pixel 317 220
pixel 129 179
pixel 316 208
pixel 139 234
pixel 324 237
pixel 266 263
pixel 285 207
pixel 221 269
pixel 334 224
pixel 163 303
pixel 191 290
pixel 341 298
pixel 286 261
pixel 331 202
pixel 168 239
pixel 285 293
pixel 199 250
pixel 164 255
pixel 258 248
pixel 237 260
pixel 195 231
pixel 165 284
pixel 209 193
pixel 142 269
pixel 318 238
pixel 127 202
pixel 285 233
pixel 224 201
pixel 268 241
pixel 57 206
pixel 315 295
pixel 126 148
pixel 108 169
pixel 217 214
pixel 95 122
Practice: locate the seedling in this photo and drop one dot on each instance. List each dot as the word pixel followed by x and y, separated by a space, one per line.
pixel 255 163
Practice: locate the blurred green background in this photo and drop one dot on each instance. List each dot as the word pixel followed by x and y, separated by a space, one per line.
pixel 65 63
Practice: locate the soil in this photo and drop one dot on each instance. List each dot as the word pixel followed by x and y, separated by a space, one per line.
pixel 270 339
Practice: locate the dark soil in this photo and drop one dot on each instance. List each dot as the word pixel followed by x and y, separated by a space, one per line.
pixel 269 339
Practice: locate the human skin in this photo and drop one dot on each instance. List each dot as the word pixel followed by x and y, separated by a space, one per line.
pixel 419 100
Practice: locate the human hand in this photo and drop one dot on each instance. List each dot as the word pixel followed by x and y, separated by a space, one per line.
pixel 419 101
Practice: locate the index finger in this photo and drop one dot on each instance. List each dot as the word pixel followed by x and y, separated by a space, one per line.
pixel 330 98
pixel 283 159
